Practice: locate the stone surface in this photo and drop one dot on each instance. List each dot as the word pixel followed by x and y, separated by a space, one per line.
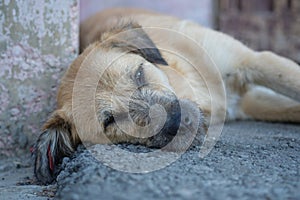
pixel 17 182
pixel 252 160
pixel 38 40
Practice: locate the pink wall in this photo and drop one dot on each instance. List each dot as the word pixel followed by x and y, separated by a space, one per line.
pixel 200 11
pixel 38 41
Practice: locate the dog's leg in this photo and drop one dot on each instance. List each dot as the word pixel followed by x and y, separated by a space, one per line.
pixel 261 103
pixel 278 73
pixel 55 142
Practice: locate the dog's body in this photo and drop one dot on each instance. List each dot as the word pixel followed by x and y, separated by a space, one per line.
pixel 193 63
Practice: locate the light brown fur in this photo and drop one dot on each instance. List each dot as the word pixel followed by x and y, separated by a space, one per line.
pixel 258 85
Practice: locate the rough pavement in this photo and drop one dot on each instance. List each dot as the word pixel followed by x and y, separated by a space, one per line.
pixel 252 160
pixel 17 182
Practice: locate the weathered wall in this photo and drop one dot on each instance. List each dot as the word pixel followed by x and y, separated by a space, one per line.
pixel 38 40
pixel 264 25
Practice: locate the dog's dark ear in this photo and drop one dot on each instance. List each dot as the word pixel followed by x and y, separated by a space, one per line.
pixel 132 38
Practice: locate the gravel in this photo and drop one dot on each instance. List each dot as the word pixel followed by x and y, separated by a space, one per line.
pixel 252 160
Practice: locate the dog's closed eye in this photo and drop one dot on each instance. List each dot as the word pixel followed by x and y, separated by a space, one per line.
pixel 139 76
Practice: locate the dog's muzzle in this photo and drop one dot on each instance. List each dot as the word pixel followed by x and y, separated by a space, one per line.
pixel 174 116
pixel 146 107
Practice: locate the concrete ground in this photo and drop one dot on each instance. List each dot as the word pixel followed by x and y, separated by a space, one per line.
pixel 17 181
pixel 252 160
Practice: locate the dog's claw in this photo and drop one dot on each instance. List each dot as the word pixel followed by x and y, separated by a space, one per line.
pixel 32 149
pixel 50 158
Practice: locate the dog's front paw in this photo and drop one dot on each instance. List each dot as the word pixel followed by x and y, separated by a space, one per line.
pixel 45 157
pixel 50 149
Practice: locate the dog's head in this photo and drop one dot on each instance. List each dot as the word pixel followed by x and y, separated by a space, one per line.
pixel 135 102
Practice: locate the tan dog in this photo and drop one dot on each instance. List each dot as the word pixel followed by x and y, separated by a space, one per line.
pixel 143 77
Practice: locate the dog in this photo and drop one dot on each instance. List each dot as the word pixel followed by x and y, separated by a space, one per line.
pixel 147 78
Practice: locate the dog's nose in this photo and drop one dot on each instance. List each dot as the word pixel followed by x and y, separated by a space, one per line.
pixel 159 112
pixel 173 120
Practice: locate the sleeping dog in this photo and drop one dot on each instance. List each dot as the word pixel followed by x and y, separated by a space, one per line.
pixel 150 79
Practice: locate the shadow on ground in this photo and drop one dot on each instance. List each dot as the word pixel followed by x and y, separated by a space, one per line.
pixel 252 160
